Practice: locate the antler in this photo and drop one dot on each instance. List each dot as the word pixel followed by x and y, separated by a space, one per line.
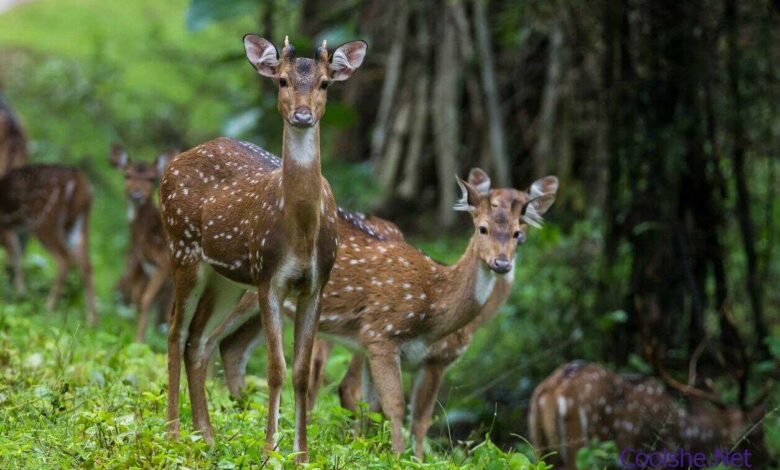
pixel 685 389
pixel 651 351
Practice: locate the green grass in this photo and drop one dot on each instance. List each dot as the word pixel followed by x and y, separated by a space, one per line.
pixel 90 398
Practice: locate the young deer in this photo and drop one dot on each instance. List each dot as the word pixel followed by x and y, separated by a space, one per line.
pixel 13 140
pixel 235 220
pixel 392 302
pixel 582 401
pixel 52 202
pixel 148 250
pixel 431 370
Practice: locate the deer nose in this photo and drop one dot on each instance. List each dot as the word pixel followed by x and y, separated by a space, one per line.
pixel 302 116
pixel 501 265
pixel 136 195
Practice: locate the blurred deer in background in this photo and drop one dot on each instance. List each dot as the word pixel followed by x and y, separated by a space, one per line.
pixel 51 202
pixel 13 154
pixel 235 220
pixel 148 251
pixel 13 140
pixel 391 302
pixel 582 401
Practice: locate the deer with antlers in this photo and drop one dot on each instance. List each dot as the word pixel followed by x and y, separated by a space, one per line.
pixel 148 251
pixel 235 220
pixel 389 301
pixel 53 203
pixel 582 401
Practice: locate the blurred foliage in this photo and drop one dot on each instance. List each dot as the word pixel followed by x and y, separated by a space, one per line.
pixel 597 455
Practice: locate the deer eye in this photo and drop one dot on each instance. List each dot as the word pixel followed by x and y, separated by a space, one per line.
pixel 516 235
pixel 324 85
pixel 483 230
pixel 283 82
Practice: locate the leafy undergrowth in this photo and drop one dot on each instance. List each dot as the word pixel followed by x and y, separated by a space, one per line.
pixel 89 398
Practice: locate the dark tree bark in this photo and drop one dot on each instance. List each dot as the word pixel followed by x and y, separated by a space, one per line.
pixel 739 146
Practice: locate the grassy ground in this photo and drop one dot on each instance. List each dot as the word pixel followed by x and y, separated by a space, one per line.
pixel 90 398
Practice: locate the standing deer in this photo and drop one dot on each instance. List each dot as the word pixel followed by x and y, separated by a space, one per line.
pixel 148 250
pixel 235 220
pixel 13 154
pixel 582 401
pixel 13 140
pixel 391 302
pixel 52 202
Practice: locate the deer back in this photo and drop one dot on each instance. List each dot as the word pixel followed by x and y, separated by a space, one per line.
pixel 43 197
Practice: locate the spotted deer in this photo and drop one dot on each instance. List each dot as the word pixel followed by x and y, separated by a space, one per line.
pixel 235 220
pixel 582 401
pixel 148 250
pixel 53 203
pixel 391 302
pixel 13 140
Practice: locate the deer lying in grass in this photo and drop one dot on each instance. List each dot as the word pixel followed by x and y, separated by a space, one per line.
pixel 148 250
pixel 235 220
pixel 582 401
pixel 391 302
pixel 51 202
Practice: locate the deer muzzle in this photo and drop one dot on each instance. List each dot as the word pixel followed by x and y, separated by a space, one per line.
pixel 302 117
pixel 501 265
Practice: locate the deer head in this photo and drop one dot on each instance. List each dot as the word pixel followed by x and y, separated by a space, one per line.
pixel 140 177
pixel 303 82
pixel 501 217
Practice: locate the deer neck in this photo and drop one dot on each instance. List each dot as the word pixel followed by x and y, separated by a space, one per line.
pixel 468 288
pixel 301 200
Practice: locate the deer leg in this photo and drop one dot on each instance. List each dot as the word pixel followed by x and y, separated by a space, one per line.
pixel 163 306
pixel 185 281
pixel 55 243
pixel 386 375
pixel 235 350
pixel 196 354
pixel 318 360
pixel 270 302
pixel 79 238
pixel 150 292
pixel 307 317
pixel 351 384
pixel 426 389
pixel 13 247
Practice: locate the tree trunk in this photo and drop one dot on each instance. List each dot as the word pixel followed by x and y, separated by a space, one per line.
pixel 546 123
pixel 739 144
pixel 445 119
pixel 501 171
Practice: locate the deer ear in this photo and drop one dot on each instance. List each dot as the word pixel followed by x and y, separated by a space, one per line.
pixel 533 210
pixel 469 199
pixel 161 161
pixel 346 59
pixel 118 156
pixel 546 185
pixel 262 54
pixel 480 180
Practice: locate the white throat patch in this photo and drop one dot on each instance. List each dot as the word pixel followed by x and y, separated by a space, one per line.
pixel 486 281
pixel 301 144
